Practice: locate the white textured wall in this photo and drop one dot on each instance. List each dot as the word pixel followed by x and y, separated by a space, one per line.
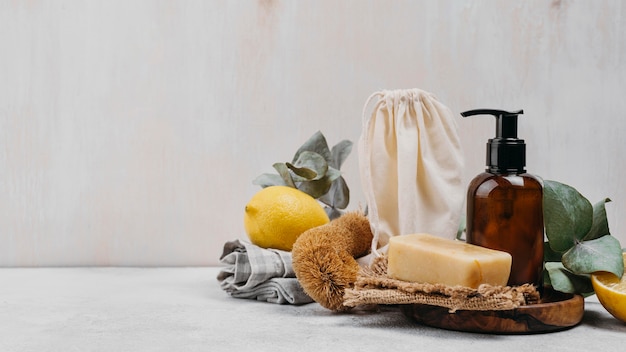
pixel 130 131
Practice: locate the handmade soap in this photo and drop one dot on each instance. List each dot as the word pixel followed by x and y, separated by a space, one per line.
pixel 430 259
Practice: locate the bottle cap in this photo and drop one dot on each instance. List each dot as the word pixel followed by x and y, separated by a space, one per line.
pixel 506 153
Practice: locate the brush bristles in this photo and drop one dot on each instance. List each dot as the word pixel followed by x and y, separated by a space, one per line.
pixel 323 258
pixel 359 241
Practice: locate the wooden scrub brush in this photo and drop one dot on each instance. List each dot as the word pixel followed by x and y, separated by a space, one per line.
pixel 323 257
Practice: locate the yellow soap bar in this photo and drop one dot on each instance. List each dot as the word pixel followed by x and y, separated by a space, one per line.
pixel 429 259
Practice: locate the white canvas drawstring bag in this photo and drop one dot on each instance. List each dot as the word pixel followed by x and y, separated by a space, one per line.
pixel 411 165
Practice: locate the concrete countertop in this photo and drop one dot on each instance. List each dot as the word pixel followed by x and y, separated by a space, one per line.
pixel 184 309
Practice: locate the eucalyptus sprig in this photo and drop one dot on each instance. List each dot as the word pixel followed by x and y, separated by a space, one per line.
pixel 315 170
pixel 579 241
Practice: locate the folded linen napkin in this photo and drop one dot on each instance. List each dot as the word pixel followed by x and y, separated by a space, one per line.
pixel 262 274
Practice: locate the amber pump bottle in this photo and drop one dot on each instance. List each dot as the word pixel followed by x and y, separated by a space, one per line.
pixel 504 204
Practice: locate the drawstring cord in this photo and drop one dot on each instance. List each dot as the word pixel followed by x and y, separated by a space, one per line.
pixel 367 173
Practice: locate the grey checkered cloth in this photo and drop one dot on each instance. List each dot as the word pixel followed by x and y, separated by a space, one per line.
pixel 262 274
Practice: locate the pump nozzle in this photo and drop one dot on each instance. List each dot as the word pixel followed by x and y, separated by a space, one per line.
pixel 505 153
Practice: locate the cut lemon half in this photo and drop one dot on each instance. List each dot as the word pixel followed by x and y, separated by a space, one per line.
pixel 611 292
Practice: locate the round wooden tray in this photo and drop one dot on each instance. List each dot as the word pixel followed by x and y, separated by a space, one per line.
pixel 556 311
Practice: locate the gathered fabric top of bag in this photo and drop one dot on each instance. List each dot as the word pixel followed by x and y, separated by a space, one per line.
pixel 411 164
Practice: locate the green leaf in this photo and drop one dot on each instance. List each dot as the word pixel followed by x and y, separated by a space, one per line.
pixel 315 188
pixel 340 153
pixel 546 278
pixel 316 143
pixel 320 187
pixel 550 255
pixel 333 213
pixel 461 229
pixel 338 196
pixel 309 166
pixel 332 174
pixel 563 280
pixel 266 180
pixel 283 171
pixel 303 174
pixel 567 215
pixel 601 254
pixel 600 224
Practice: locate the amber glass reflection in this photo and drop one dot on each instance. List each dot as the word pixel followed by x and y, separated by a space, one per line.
pixel 505 213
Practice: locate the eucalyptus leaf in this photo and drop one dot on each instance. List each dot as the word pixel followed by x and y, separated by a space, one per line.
pixel 564 280
pixel 339 153
pixel 302 174
pixel 550 255
pixel 546 278
pixel 332 174
pixel 461 229
pixel 309 165
pixel 601 254
pixel 332 213
pixel 567 215
pixel 283 171
pixel 600 223
pixel 316 143
pixel 316 188
pixel 338 196
pixel 315 171
pixel 341 194
pixel 266 180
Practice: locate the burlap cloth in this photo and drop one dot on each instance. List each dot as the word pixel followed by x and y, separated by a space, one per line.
pixel 373 286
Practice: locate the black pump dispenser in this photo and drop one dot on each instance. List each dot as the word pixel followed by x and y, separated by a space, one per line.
pixel 506 154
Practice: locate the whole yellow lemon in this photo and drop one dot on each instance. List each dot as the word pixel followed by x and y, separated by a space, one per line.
pixel 277 215
pixel 611 292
